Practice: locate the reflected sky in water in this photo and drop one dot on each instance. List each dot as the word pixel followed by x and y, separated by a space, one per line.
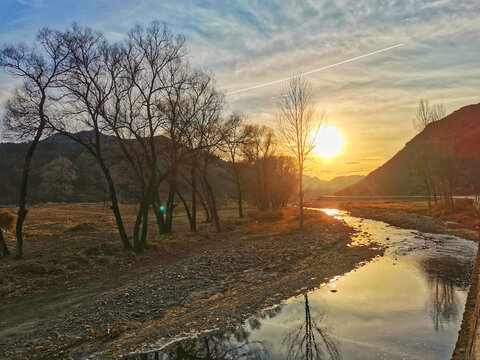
pixel 406 304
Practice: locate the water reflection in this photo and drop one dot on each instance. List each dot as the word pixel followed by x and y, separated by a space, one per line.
pixel 445 275
pixel 227 344
pixel 309 341
pixel 444 308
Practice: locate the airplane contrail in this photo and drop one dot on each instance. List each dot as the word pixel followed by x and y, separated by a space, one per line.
pixel 315 70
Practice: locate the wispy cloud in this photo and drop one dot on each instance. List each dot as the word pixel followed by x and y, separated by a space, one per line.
pixel 32 3
pixel 250 42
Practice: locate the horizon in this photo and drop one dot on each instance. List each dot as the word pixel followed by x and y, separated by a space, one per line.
pixel 370 100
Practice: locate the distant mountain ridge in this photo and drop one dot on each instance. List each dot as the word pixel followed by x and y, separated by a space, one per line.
pixel 458 134
pixel 314 187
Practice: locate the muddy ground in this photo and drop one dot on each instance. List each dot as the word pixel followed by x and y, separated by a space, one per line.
pixel 111 302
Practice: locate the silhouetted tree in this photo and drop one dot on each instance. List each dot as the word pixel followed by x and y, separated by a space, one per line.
pixel 426 115
pixel 257 151
pixel 85 88
pixel 28 112
pixel 238 136
pixel 298 124
pixel 426 160
pixel 203 131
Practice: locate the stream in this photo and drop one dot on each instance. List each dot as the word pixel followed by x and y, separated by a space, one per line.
pixel 405 304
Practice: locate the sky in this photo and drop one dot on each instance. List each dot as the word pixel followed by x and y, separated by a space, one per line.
pixel 246 43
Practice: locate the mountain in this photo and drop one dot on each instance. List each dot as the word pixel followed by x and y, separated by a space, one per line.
pixel 84 135
pixel 455 137
pixel 88 181
pixel 315 187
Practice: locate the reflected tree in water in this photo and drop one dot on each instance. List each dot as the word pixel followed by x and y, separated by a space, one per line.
pixel 444 302
pixel 446 275
pixel 309 341
pixel 226 345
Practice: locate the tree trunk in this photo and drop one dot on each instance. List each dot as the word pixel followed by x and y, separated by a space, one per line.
pixel 213 206
pixel 159 214
pixel 434 193
pixel 208 218
pixel 187 210
pixel 239 191
pixel 115 207
pixel 3 247
pixel 143 240
pixel 136 229
pixel 429 198
pixel 193 222
pixel 169 212
pixel 300 196
pixel 22 209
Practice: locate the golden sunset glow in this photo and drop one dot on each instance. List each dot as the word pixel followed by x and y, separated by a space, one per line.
pixel 329 142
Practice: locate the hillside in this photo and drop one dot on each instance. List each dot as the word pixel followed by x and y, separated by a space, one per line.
pixel 314 187
pixel 87 183
pixel 457 135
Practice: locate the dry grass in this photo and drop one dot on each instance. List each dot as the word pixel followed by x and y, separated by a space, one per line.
pixel 67 244
pixel 463 212
pixel 267 215
pixel 7 220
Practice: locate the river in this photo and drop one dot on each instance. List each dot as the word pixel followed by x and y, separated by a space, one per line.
pixel 405 304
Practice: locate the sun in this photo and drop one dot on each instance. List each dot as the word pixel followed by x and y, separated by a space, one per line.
pixel 329 142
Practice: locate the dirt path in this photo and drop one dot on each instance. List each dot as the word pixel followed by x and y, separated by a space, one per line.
pixel 234 276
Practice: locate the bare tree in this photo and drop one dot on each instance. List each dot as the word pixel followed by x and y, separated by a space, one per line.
pixel 207 104
pixel 426 115
pixel 153 72
pixel 426 160
pixel 237 137
pixel 188 112
pixel 27 116
pixel 257 151
pixel 212 132
pixel 86 87
pixel 298 124
pixel 438 112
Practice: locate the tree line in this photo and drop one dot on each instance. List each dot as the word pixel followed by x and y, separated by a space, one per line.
pixel 140 109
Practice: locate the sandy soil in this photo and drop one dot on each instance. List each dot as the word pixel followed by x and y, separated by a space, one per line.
pixel 112 301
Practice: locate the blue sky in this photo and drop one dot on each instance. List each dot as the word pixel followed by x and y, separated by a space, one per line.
pixel 246 42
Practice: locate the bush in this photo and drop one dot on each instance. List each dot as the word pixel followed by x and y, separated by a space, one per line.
pixel 7 220
pixel 267 215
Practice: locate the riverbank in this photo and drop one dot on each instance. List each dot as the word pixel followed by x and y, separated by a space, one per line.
pixel 464 221
pixel 214 280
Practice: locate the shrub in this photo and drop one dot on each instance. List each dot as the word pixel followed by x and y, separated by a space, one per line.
pixel 7 220
pixel 267 215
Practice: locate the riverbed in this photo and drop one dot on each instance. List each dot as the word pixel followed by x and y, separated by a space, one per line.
pixel 405 304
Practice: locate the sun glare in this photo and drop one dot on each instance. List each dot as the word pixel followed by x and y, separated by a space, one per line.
pixel 329 142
